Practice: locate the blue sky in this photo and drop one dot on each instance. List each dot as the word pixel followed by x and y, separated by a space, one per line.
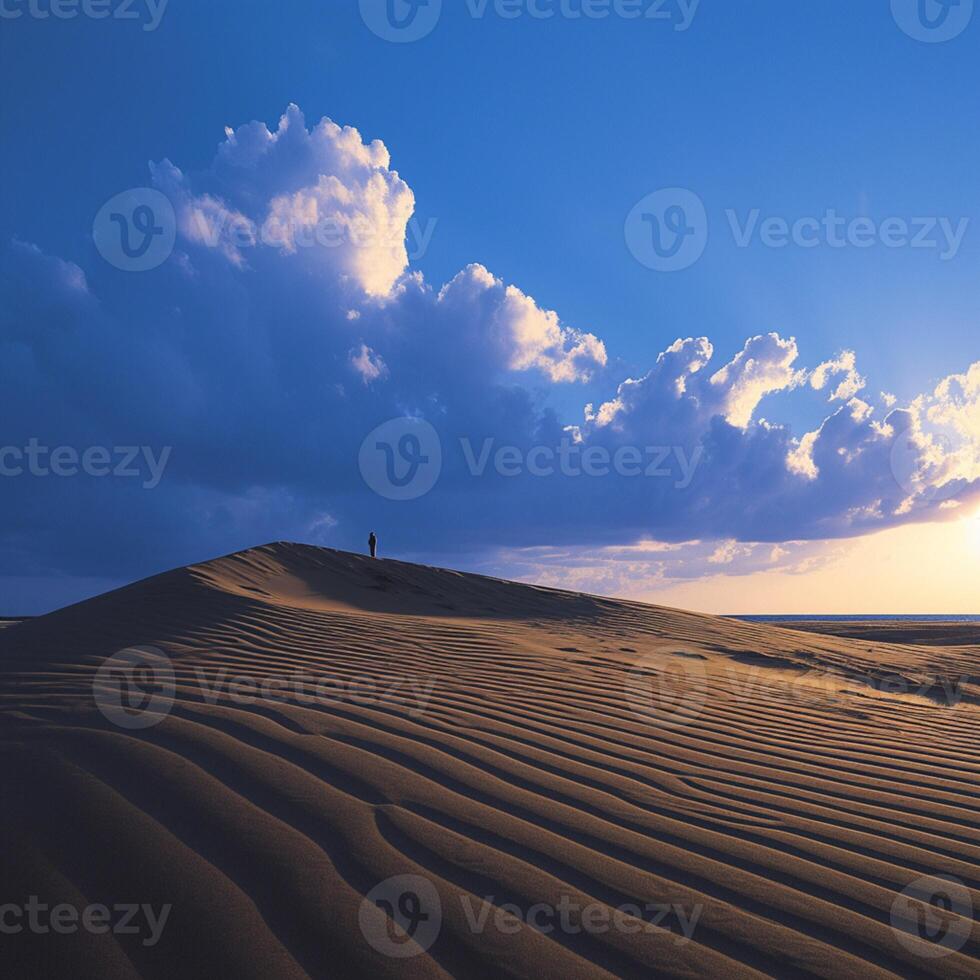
pixel 527 142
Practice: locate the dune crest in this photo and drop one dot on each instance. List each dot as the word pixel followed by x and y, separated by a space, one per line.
pixel 326 723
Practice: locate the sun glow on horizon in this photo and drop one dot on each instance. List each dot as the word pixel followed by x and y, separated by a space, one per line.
pixel 928 569
pixel 972 527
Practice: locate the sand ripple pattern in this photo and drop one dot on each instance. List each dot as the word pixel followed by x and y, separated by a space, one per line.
pixel 502 742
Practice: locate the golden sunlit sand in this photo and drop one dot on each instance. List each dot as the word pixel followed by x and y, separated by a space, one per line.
pixel 339 722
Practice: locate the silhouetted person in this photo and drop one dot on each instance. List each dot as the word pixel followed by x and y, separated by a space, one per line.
pixel 373 544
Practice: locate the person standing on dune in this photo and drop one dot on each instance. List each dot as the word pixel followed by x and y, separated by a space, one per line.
pixel 373 544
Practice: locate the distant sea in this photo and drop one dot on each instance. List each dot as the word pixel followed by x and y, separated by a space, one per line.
pixel 860 619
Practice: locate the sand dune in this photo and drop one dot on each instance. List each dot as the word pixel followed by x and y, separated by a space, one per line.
pixel 924 633
pixel 701 797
